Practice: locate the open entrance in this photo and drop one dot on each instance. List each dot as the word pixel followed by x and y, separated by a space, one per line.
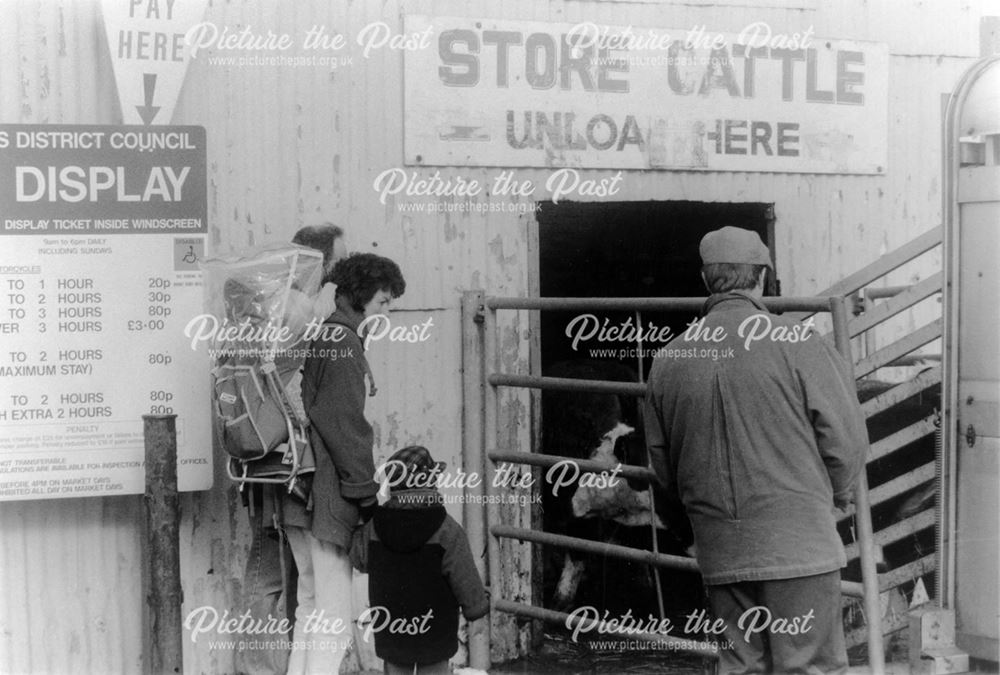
pixel 628 249
pixel 613 250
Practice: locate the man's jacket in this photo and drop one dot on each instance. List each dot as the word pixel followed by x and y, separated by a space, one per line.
pixel 758 442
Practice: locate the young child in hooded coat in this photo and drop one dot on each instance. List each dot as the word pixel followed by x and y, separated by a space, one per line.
pixel 420 568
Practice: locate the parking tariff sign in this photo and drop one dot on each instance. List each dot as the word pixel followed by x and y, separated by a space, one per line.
pixel 102 228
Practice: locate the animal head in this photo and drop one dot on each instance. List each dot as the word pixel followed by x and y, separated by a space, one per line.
pixel 614 499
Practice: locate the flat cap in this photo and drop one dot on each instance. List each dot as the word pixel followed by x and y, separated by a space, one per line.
pixel 733 245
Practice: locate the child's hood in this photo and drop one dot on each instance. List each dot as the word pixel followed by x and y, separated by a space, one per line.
pixel 405 526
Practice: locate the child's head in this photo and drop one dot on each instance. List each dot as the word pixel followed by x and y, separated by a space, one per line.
pixel 244 301
pixel 412 468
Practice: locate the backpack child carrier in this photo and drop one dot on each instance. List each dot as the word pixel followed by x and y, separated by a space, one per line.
pixel 261 304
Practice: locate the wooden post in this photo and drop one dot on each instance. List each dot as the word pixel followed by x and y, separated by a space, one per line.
pixel 161 578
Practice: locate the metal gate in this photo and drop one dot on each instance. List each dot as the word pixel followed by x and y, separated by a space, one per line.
pixel 482 377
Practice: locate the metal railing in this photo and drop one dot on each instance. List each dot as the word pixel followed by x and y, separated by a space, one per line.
pixel 901 352
pixel 482 428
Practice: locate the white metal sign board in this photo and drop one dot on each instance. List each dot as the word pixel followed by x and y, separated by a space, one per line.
pixel 101 230
pixel 531 94
pixel 146 41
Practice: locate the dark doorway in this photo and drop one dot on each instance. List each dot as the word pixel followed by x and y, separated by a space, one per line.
pixel 628 249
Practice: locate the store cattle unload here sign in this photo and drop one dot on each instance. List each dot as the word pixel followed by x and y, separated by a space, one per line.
pixel 101 232
pixel 530 94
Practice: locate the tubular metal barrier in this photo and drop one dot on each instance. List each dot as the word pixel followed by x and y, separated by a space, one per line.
pixel 486 435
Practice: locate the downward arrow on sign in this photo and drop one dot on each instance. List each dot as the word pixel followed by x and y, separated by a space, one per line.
pixel 148 111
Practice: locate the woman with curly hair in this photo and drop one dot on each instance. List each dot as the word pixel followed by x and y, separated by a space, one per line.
pixel 343 489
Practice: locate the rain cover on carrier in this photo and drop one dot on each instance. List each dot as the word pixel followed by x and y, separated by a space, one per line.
pixel 260 307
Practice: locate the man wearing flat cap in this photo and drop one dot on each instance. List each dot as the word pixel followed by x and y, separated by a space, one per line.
pixel 759 440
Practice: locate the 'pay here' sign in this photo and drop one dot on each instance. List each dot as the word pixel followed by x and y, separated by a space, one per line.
pixel 148 50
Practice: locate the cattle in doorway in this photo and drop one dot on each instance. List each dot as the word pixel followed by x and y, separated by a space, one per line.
pixel 606 428
pixel 614 499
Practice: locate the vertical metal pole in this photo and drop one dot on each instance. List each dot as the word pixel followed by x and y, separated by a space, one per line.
pixel 473 458
pixel 491 436
pixel 649 464
pixel 870 344
pixel 863 515
pixel 536 516
pixel 161 579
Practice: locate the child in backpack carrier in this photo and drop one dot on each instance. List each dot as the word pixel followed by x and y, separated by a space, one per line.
pixel 420 569
pixel 253 302
pixel 257 373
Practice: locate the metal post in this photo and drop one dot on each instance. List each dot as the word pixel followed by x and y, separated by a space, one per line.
pixel 490 435
pixel 867 296
pixel 862 514
pixel 161 579
pixel 473 453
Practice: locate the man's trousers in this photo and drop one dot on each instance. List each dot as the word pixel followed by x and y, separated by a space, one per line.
pixel 760 617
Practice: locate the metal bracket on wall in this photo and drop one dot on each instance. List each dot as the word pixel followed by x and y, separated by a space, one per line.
pixel 970 435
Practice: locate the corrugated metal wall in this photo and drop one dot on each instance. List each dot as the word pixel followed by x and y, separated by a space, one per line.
pixel 69 569
pixel 297 145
